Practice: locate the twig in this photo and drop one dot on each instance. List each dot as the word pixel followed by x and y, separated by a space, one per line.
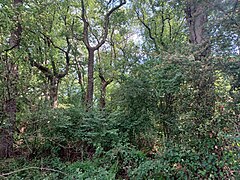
pixel 38 168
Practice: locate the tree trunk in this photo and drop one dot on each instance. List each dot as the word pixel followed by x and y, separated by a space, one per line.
pixel 10 104
pixel 104 84
pixel 90 85
pixel 197 18
pixel 103 95
pixel 91 49
pixel 45 90
pixel 6 140
pixel 54 92
pixel 80 74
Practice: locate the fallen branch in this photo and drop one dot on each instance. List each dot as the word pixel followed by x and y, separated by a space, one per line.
pixel 38 168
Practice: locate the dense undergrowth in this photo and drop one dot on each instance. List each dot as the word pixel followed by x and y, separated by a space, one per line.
pixel 140 135
pixel 68 144
pixel 118 89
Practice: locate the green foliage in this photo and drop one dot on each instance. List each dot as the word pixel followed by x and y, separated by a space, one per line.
pixel 57 128
pixel 90 170
pixel 146 100
pixel 168 115
pixel 38 169
pixel 180 162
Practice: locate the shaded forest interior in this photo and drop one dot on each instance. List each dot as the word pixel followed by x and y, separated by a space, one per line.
pixel 119 89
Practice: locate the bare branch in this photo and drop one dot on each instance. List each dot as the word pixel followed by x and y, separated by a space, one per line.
pixel 67 57
pixel 109 2
pixel 28 168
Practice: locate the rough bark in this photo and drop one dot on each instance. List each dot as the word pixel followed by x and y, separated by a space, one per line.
pixel 10 105
pixel 196 12
pixel 197 18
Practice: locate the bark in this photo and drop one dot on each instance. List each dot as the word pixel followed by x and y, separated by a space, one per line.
pixel 54 92
pixel 6 139
pixel 103 95
pixel 80 70
pixel 197 18
pixel 104 82
pixel 90 87
pixel 91 49
pixel 104 85
pixel 51 74
pixel 51 86
pixel 46 91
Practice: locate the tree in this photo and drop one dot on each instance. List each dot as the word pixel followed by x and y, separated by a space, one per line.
pixel 224 27
pixel 164 33
pixel 197 18
pixel 162 24
pixel 10 104
pixel 88 36
pixel 104 84
pixel 49 49
pixel 110 57
pixel 53 75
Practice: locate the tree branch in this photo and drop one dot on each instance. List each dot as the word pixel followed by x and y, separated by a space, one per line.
pixel 106 23
pixel 149 30
pixel 43 69
pixel 85 26
pixel 67 57
pixel 28 168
